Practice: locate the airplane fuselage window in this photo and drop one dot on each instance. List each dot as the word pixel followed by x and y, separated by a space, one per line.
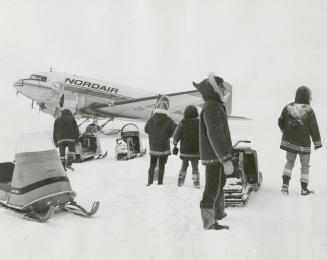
pixel 38 77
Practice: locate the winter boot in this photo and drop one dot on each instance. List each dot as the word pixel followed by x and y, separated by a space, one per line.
pixel 286 181
pixel 63 162
pixel 304 189
pixel 161 174
pixel 196 179
pixel 208 218
pixel 181 178
pixel 284 189
pixel 70 159
pixel 217 226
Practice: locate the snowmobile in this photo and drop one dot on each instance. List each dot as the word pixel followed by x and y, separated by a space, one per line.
pixel 36 183
pixel 129 145
pixel 246 177
pixel 88 147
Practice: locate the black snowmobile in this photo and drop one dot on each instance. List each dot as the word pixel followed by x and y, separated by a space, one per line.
pixel 246 177
pixel 36 183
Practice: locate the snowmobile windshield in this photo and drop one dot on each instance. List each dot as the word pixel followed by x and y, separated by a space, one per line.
pixel 129 129
pixel 34 142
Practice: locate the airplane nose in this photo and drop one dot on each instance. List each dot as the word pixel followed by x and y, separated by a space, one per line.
pixel 18 84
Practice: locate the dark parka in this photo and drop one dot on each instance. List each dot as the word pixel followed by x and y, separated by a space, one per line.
pixel 160 128
pixel 215 140
pixel 298 123
pixel 187 132
pixel 65 128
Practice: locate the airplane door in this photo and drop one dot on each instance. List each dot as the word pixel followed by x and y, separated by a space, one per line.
pixel 69 101
pixel 81 102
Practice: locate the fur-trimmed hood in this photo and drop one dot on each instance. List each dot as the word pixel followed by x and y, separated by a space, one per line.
pixel 303 95
pixel 211 88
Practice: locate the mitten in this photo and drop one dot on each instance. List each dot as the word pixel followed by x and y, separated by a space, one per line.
pixel 228 167
pixel 175 150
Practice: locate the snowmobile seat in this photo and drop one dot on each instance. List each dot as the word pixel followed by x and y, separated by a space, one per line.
pixel 6 172
pixel 251 167
pixel 89 143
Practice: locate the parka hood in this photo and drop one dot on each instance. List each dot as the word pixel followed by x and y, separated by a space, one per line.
pixel 191 112
pixel 66 112
pixel 303 95
pixel 206 90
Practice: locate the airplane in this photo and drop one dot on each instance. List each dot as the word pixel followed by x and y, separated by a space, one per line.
pixel 92 98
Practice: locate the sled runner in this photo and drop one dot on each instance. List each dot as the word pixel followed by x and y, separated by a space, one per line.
pixel 246 177
pixel 129 145
pixel 37 184
pixel 88 147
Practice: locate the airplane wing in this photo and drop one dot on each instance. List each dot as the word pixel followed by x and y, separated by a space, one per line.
pixel 141 108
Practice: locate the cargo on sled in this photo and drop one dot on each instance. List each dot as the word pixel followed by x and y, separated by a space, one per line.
pixel 88 147
pixel 36 182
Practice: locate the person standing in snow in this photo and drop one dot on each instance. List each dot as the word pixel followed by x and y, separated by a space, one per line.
pixel 187 132
pixel 160 128
pixel 298 123
pixel 215 150
pixel 66 134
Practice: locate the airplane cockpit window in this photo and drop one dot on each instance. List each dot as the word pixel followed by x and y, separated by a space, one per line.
pixel 38 77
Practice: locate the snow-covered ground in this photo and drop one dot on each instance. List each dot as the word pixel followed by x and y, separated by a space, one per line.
pixel 163 222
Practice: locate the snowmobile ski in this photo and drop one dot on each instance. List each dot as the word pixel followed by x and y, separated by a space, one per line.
pixel 70 168
pixel 73 207
pixel 101 156
pixel 40 216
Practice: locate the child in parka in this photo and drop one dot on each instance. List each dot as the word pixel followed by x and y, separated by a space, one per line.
pixel 215 149
pixel 298 123
pixel 187 132
pixel 160 128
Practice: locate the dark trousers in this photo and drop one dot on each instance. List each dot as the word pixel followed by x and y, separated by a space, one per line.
pixel 153 162
pixel 62 153
pixel 62 148
pixel 213 195
pixel 194 162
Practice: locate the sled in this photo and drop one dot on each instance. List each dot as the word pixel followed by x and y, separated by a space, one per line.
pixel 246 177
pixel 35 184
pixel 129 145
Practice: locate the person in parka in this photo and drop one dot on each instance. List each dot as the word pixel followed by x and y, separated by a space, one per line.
pixel 298 123
pixel 215 149
pixel 160 128
pixel 187 132
pixel 66 134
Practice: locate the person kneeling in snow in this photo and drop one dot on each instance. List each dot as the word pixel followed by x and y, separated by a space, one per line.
pixel 187 132
pixel 215 149
pixel 160 128
pixel 297 123
pixel 66 134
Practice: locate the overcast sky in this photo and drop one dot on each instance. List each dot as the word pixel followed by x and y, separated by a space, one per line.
pixel 265 49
